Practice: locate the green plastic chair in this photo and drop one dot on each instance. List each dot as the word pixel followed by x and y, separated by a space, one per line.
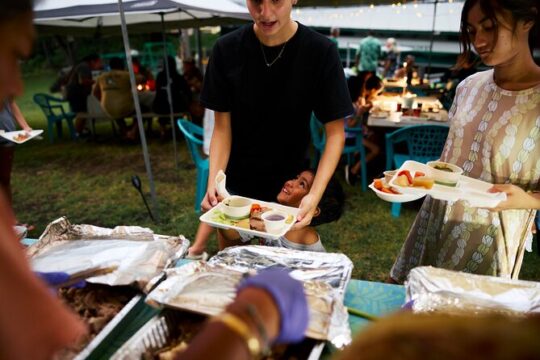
pixel 194 138
pixel 421 143
pixel 54 111
pixel 318 138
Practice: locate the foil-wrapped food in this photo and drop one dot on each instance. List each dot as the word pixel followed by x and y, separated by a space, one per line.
pixel 208 288
pixel 438 290
pixel 137 253
pixel 168 334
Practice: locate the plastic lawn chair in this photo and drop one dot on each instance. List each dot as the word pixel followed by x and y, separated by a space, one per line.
pixel 318 137
pixel 54 112
pixel 194 138
pixel 422 143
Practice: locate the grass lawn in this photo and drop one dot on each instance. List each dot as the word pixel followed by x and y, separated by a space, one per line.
pixel 89 182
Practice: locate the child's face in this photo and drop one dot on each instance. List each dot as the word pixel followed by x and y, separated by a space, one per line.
pixel 294 190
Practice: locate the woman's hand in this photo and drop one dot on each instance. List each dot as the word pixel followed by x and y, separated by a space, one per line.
pixel 516 198
pixel 308 207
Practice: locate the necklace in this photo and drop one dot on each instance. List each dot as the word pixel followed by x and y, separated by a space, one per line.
pixel 269 64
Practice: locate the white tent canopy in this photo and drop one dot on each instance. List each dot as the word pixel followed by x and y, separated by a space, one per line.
pixel 63 16
pixel 406 17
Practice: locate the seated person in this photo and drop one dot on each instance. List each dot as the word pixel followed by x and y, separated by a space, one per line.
pixel 113 89
pixel 292 193
pixel 180 95
pixel 363 90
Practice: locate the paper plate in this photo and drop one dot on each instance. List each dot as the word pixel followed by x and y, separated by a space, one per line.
pixel 11 135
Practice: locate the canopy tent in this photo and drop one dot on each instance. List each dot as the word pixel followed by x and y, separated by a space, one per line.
pixel 109 14
pixel 61 16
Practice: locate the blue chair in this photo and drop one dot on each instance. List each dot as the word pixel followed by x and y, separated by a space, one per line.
pixel 53 109
pixel 421 143
pixel 318 137
pixel 194 138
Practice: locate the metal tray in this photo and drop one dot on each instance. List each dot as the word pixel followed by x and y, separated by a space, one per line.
pixel 163 329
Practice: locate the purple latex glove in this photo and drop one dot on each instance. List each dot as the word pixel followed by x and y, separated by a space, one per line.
pixel 290 299
pixel 55 278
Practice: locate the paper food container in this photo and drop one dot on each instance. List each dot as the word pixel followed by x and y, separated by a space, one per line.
pixel 171 331
pixel 14 135
pixel 474 191
pixel 217 217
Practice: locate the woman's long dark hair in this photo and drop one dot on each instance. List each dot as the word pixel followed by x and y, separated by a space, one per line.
pixel 525 10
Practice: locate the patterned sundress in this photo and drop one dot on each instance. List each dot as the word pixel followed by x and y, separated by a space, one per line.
pixel 494 136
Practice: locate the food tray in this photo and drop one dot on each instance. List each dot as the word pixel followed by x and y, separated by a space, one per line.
pixel 216 218
pixel 164 328
pixel 474 191
pixel 395 198
pixel 10 135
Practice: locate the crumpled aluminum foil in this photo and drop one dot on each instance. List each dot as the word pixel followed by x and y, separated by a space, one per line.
pixel 433 289
pixel 208 288
pixel 138 253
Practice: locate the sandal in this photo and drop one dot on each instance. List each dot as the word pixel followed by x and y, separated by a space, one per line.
pixel 202 257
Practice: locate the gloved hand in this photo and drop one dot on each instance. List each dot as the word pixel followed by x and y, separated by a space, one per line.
pixel 289 296
pixel 56 278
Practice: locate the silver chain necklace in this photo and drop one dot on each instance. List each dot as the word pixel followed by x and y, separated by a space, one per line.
pixel 269 64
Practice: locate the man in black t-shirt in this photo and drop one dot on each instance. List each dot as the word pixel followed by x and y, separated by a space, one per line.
pixel 263 81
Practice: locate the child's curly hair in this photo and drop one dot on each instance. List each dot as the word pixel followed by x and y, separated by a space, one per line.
pixel 331 204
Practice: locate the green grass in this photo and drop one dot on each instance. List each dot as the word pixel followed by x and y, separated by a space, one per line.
pixel 89 182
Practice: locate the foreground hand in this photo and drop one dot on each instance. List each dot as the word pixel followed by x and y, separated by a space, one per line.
pixel 308 207
pixel 516 198
pixel 56 278
pixel 290 299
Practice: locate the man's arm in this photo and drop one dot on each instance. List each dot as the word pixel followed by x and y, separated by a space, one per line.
pixel 335 140
pixel 220 150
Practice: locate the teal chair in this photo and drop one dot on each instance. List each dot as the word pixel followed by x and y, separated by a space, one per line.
pixel 420 143
pixel 194 138
pixel 54 111
pixel 318 137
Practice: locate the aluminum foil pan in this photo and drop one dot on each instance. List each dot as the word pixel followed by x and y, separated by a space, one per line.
pixel 209 288
pixel 433 289
pixel 138 253
pixel 331 268
pixel 165 329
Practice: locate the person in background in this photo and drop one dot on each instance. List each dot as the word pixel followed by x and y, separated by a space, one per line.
pixel 79 87
pixel 193 76
pixel 368 54
pixel 180 95
pixel 34 324
pixel 263 97
pixel 113 89
pixel 334 35
pixel 495 137
pixel 363 89
pixel 392 58
pixel 409 70
pixel 9 115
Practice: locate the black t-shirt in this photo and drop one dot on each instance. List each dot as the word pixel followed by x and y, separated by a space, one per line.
pixel 271 106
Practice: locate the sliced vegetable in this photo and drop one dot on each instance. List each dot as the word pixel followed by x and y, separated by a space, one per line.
pixel 387 190
pixel 378 184
pixel 418 174
pixel 407 173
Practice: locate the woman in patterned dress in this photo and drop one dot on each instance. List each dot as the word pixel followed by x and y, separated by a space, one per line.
pixel 494 136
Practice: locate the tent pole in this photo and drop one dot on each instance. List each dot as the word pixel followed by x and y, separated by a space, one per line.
pixel 432 36
pixel 169 95
pixel 138 109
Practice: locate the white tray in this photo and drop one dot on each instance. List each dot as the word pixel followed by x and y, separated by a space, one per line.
pixel 10 135
pixel 474 191
pixel 395 198
pixel 209 216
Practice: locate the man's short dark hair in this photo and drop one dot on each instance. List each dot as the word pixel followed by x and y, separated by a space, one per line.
pixel 10 9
